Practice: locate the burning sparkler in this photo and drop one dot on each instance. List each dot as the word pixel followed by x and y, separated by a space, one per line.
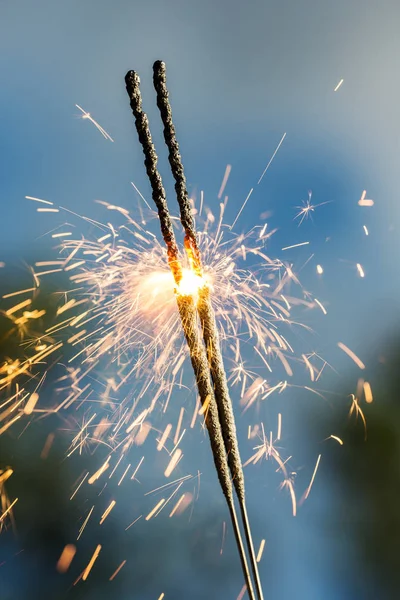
pixel 186 303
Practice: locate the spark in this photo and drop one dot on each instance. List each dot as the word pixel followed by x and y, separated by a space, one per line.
pixel 224 181
pixel 30 405
pixel 164 437
pixel 351 354
pixel 8 510
pixel 4 475
pixel 260 550
pixel 355 407
pixel 295 245
pixel 169 484
pixel 61 234
pixel 133 522
pixel 117 570
pixel 142 434
pixel 197 408
pixel 272 158
pixel 320 270
pixel 365 230
pixel 7 425
pixel 123 476
pixel 176 457
pixel 242 592
pixel 85 522
pixel 66 558
pixel 155 509
pixel 338 85
pixel 107 511
pixel 204 408
pixel 47 263
pixel 177 505
pixel 321 306
pixel 141 195
pixel 49 272
pixel 39 200
pixel 278 435
pixel 91 563
pixel 116 465
pixel 306 210
pixel 182 504
pixel 363 201
pixel 360 270
pixel 308 490
pixel 137 468
pixel 179 425
pixel 99 472
pixel 223 537
pixel 18 307
pixel 368 392
pixel 86 115
pixel 76 491
pixel 32 289
pixel 241 208
pixel 336 438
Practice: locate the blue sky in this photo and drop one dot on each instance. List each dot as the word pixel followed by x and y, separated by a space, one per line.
pixel 240 75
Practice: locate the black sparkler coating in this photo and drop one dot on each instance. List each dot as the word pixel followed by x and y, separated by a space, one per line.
pixel 175 160
pixel 132 82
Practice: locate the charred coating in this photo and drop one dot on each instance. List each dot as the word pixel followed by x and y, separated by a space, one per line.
pixel 175 160
pixel 132 82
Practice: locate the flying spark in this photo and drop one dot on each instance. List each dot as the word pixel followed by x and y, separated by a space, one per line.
pixel 338 85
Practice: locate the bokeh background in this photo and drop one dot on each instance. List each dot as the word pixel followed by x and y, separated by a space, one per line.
pixel 240 75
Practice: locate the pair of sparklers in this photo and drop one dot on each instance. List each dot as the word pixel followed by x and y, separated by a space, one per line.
pixel 194 307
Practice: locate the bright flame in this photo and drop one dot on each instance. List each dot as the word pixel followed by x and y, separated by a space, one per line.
pixel 190 283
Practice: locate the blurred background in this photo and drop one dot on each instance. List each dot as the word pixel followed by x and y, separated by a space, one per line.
pixel 240 76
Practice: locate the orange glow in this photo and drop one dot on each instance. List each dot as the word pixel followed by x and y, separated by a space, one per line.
pixel 91 563
pixel 190 283
pixel 368 392
pixel 66 558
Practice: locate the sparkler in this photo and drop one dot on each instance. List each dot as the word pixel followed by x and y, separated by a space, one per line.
pixel 206 312
pixel 186 304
